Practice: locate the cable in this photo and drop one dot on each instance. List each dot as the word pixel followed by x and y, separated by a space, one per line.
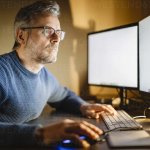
pixel 145 110
pixel 102 137
pixel 144 114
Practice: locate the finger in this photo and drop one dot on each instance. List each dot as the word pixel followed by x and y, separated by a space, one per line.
pixel 93 127
pixel 114 112
pixel 89 131
pixel 109 109
pixel 90 114
pixel 96 107
pixel 97 115
pixel 105 108
pixel 83 129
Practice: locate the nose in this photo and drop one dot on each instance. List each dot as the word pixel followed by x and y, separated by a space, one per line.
pixel 54 38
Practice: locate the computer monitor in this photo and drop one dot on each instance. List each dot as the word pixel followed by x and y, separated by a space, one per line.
pixel 144 55
pixel 113 57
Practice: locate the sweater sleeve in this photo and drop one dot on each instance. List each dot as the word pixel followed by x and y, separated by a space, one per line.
pixel 64 99
pixel 71 103
pixel 17 135
pixel 3 85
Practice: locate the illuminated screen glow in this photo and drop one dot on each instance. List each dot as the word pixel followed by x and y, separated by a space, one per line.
pixel 113 57
pixel 144 55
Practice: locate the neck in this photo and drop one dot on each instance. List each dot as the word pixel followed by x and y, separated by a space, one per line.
pixel 29 63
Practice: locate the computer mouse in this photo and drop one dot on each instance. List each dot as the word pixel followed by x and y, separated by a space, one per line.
pixel 68 144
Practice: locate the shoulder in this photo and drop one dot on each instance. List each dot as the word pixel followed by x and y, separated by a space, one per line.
pixel 6 59
pixel 6 55
pixel 5 67
pixel 6 62
pixel 4 74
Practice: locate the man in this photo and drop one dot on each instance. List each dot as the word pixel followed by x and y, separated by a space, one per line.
pixel 26 85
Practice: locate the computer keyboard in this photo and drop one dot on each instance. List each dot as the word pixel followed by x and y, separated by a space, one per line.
pixel 121 121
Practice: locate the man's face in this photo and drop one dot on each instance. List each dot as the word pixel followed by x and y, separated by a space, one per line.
pixel 43 49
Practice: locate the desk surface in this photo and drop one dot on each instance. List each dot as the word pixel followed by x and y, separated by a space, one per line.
pixel 52 117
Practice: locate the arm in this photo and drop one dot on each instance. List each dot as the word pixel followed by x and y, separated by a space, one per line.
pixel 65 100
pixel 62 98
pixel 3 85
pixel 68 129
pixel 74 104
pixel 17 135
pixel 71 103
pixel 33 135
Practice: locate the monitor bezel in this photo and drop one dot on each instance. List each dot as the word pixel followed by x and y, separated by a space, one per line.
pixel 142 92
pixel 107 30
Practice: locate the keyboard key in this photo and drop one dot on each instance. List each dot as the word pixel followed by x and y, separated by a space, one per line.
pixel 121 120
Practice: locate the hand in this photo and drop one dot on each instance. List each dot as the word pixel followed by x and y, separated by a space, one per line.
pixel 94 110
pixel 68 129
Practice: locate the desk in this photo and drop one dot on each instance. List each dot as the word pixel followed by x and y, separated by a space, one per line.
pixel 52 117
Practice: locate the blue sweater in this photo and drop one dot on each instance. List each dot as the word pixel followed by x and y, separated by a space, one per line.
pixel 24 94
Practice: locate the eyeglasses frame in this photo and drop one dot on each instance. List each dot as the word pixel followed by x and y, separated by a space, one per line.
pixel 61 35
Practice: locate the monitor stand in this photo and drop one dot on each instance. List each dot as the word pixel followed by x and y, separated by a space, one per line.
pixel 123 97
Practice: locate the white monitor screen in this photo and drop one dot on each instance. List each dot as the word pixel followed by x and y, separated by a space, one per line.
pixel 144 55
pixel 113 57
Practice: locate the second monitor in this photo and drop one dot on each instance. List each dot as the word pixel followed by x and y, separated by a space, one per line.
pixel 113 57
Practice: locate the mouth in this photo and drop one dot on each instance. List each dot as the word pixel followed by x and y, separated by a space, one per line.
pixel 53 47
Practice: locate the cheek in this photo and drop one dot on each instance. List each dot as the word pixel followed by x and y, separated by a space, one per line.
pixel 39 44
pixel 39 39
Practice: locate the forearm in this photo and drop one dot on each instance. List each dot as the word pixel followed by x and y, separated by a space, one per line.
pixel 17 135
pixel 71 103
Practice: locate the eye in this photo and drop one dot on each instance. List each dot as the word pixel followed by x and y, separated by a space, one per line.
pixel 51 31
pixel 48 32
pixel 58 32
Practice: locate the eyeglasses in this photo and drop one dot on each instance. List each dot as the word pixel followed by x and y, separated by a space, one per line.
pixel 48 31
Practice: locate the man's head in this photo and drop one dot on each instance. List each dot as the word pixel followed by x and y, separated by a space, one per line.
pixel 37 29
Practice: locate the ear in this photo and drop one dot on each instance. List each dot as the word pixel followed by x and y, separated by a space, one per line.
pixel 21 36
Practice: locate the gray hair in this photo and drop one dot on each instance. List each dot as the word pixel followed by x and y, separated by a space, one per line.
pixel 30 13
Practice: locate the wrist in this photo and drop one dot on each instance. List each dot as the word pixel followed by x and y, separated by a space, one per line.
pixel 39 137
pixel 83 108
